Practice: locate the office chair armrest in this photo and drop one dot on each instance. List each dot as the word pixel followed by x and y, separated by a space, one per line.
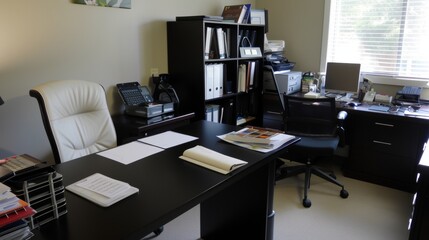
pixel 341 117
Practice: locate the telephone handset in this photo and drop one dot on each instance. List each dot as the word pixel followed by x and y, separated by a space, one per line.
pixel 133 94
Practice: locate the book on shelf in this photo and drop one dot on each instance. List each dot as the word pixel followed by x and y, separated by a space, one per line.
pixel 234 13
pixel 276 138
pixel 212 160
pixel 246 18
pixel 217 43
pixel 209 33
pixel 221 43
pixel 18 164
pixel 102 190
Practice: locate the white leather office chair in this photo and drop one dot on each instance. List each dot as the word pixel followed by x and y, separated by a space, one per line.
pixel 76 118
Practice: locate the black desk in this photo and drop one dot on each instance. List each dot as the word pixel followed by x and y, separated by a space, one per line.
pixel 385 147
pixel 233 206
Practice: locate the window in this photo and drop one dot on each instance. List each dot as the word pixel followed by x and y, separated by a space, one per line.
pixel 388 37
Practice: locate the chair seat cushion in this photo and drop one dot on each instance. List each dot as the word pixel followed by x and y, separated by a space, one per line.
pixel 315 146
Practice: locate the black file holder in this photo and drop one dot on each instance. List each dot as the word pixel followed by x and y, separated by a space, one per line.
pixel 44 192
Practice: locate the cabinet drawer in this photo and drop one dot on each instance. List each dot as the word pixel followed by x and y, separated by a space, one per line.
pixel 392 137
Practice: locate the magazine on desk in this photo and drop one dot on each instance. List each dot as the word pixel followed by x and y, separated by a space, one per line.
pixel 210 159
pixel 258 139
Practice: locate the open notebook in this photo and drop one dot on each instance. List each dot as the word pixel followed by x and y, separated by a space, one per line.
pixel 211 159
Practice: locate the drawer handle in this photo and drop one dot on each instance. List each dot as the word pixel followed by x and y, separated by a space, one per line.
pixel 384 124
pixel 380 142
pixel 278 113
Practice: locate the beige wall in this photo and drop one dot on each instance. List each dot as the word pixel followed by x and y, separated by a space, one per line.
pixel 299 23
pixel 55 39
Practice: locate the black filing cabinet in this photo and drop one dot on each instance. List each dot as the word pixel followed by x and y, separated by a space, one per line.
pixel 384 148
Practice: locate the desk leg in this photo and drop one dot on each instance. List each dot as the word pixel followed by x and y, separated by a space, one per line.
pixel 241 210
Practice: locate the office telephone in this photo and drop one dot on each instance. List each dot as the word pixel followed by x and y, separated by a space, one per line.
pixel 139 101
pixel 133 94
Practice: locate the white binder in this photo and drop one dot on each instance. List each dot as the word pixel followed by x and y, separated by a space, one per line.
pixel 209 93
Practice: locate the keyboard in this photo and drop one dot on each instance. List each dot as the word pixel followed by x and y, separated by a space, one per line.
pixel 379 108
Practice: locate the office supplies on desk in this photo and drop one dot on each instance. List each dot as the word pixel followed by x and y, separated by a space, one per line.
pixel 139 102
pixel 102 190
pixel 212 160
pixel 409 94
pixel 379 108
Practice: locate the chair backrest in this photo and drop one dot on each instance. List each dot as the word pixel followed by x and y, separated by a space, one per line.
pixel 310 116
pixel 76 118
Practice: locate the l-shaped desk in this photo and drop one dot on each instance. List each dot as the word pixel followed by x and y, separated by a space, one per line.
pixel 384 147
pixel 233 206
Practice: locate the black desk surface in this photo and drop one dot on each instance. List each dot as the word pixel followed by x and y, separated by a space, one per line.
pixel 168 187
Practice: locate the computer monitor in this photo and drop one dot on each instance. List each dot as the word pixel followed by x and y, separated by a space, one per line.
pixel 342 77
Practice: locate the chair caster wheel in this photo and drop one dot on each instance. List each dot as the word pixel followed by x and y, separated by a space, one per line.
pixel 158 231
pixel 306 203
pixel 344 193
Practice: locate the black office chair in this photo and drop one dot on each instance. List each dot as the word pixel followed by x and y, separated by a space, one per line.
pixel 319 126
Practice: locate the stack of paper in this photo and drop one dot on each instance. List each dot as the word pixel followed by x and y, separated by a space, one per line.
pixel 102 190
pixel 13 212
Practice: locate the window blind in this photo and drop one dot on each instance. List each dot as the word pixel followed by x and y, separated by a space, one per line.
pixel 388 37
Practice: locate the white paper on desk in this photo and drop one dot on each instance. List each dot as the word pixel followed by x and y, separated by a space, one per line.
pixel 167 139
pixel 130 152
pixel 102 190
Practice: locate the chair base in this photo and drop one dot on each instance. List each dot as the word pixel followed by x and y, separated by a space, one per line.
pixel 309 169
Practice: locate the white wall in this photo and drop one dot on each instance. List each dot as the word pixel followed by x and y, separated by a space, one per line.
pixel 55 39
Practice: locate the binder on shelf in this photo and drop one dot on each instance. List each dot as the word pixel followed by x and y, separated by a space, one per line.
pixel 209 113
pixel 209 93
pixel 246 18
pixel 226 36
pixel 242 69
pixel 213 113
pixel 209 33
pixel 251 73
pixel 221 42
pixel 218 80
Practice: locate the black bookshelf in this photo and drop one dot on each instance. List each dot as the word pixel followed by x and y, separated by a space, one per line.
pixel 186 42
